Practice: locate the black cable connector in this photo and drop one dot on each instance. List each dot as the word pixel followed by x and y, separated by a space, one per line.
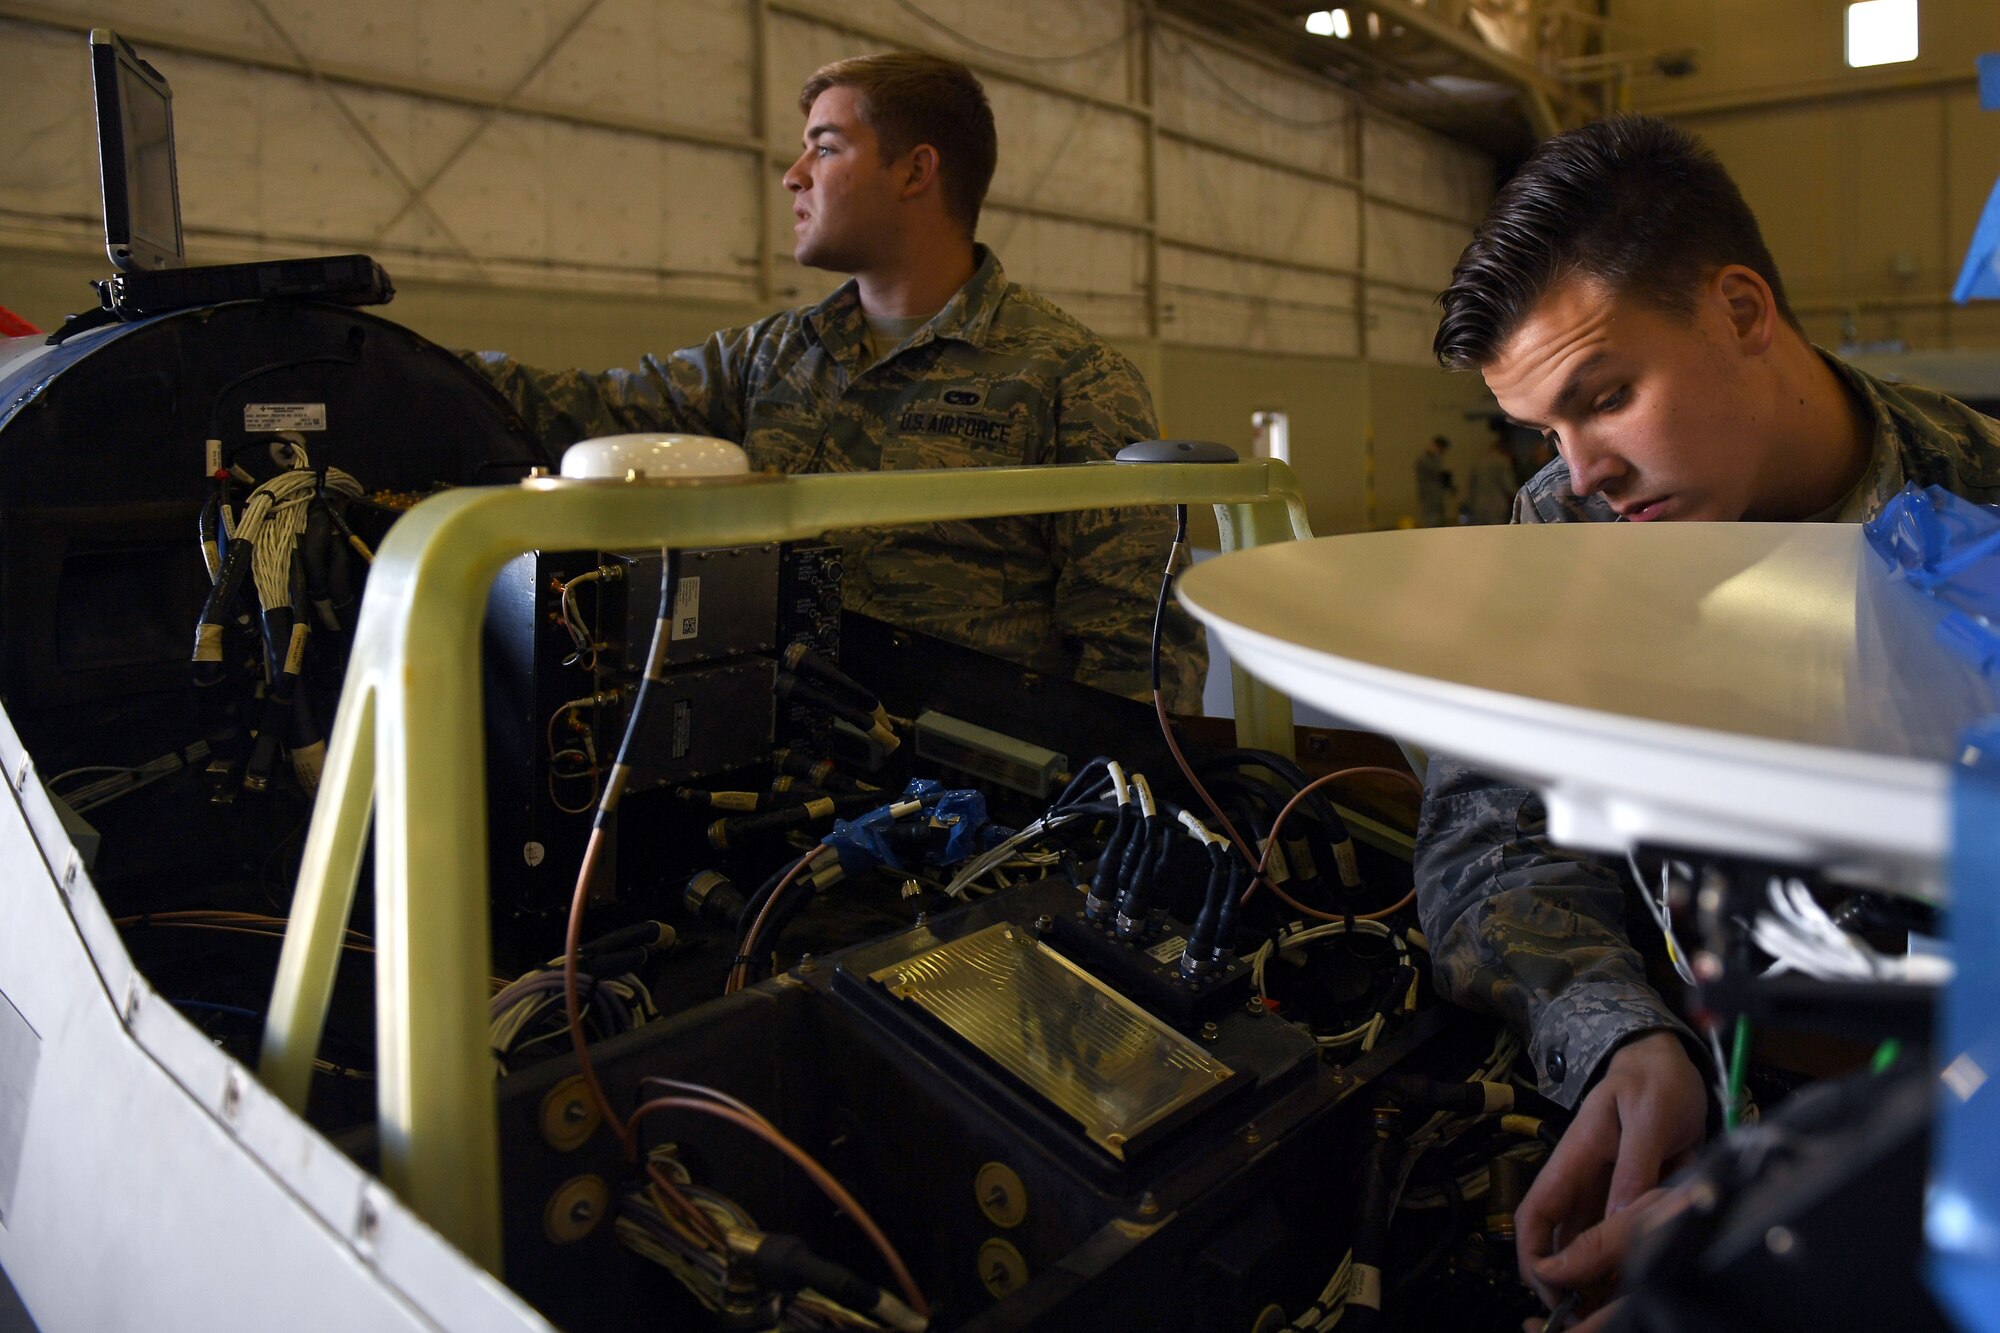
pixel 803 661
pixel 1225 920
pixel 786 1263
pixel 736 830
pixel 1102 900
pixel 1195 958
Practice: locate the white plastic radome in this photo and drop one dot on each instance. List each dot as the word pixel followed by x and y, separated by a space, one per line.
pixel 1758 689
pixel 653 458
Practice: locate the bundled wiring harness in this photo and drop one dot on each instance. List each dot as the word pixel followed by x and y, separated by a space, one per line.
pixel 528 1011
pixel 282 543
pixel 699 1238
pixel 755 1278
pixel 1397 997
pixel 1353 1296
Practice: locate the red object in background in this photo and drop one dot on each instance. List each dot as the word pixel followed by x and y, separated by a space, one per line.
pixel 13 326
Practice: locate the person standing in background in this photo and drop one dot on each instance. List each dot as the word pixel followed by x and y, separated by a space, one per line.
pixel 1490 484
pixel 1433 484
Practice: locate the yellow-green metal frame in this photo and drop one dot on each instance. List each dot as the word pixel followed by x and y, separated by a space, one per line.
pixel 408 744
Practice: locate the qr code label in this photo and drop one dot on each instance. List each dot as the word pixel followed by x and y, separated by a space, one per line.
pixel 687 609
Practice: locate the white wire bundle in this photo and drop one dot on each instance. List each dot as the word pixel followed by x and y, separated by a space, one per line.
pixel 1443 1125
pixel 120 779
pixel 995 857
pixel 1473 1184
pixel 536 994
pixel 1325 1312
pixel 1662 913
pixel 275 515
pixel 645 1229
pixel 581 636
pixel 1331 1304
pixel 1803 938
pixel 1368 1032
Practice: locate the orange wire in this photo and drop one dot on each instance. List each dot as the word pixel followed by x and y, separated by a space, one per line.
pixel 1187 771
pixel 821 1177
pixel 739 972
pixel 1279 823
pixel 697 1220
pixel 1256 863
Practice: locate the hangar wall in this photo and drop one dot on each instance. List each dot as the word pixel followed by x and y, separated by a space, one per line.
pixel 578 181
pixel 1868 182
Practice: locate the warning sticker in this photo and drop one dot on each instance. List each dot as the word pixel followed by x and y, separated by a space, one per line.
pixel 687 609
pixel 284 416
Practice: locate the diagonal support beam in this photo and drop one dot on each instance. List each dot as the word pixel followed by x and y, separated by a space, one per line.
pixel 366 135
pixel 416 197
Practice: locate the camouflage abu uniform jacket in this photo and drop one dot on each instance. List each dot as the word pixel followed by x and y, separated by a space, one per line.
pixel 1539 935
pixel 999 376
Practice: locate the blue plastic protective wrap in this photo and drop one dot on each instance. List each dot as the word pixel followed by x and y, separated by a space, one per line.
pixel 954 827
pixel 1949 549
pixel 1962 1211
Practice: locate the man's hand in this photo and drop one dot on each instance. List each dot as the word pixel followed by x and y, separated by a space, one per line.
pixel 1593 1259
pixel 1641 1122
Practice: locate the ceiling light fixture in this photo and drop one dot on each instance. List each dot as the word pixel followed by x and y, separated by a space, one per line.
pixel 1881 32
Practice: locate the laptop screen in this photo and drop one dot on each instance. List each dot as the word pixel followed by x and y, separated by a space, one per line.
pixel 135 157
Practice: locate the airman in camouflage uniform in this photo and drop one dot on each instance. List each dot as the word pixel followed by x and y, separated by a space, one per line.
pixel 1540 935
pixel 1921 437
pixel 998 377
pixel 926 358
pixel 1619 299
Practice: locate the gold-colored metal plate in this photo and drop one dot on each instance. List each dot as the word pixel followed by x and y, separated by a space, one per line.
pixel 1102 1060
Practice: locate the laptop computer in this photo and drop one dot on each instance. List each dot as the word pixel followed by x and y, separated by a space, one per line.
pixel 142 210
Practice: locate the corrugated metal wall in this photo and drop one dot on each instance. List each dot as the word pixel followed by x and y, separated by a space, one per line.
pixel 1154 179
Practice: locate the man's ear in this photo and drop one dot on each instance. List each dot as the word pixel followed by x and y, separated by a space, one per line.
pixel 919 170
pixel 1749 305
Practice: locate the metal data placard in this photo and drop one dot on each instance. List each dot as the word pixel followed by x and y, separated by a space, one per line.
pixel 1108 1064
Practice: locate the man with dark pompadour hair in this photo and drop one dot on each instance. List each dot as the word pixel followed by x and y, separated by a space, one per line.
pixel 1619 299
pixel 928 357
